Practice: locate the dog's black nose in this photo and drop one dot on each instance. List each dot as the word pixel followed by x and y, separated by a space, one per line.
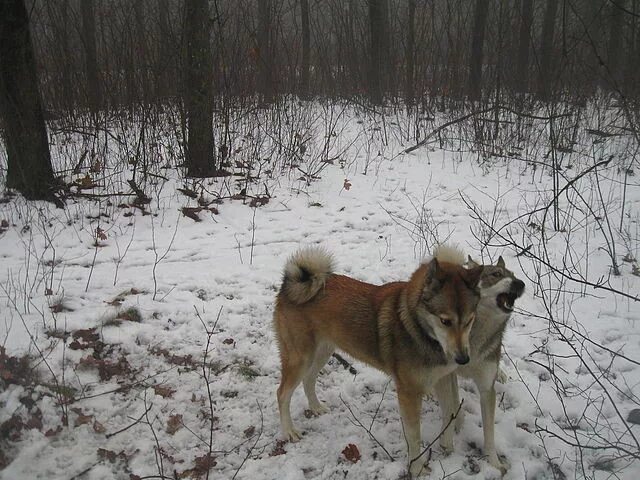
pixel 517 287
pixel 462 359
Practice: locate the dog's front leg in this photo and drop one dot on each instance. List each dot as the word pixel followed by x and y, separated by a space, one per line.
pixel 486 386
pixel 410 403
pixel 446 391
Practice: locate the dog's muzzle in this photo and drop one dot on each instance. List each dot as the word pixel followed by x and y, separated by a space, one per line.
pixel 506 300
pixel 462 358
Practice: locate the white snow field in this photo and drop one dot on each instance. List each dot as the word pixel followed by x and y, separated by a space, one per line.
pixel 149 339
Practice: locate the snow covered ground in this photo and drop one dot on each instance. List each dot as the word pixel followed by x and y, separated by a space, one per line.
pixel 133 320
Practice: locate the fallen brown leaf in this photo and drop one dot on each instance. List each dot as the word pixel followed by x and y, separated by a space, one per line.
pixel 174 424
pixel 351 453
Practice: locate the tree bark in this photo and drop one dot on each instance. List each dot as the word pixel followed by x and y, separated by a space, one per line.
pixel 94 90
pixel 522 62
pixel 306 49
pixel 546 49
pixel 477 49
pixel 265 54
pixel 615 42
pixel 410 54
pixel 29 167
pixel 199 91
pixel 377 65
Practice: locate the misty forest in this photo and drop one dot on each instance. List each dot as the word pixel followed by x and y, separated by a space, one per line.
pixel 160 160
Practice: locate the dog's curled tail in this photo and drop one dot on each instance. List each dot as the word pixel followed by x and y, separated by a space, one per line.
pixel 449 254
pixel 305 273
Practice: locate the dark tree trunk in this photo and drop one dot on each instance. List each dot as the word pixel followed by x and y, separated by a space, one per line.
pixel 94 90
pixel 522 62
pixel 546 49
pixel 198 95
pixel 29 163
pixel 410 54
pixel 141 57
pixel 377 65
pixel 265 55
pixel 615 42
pixel 477 48
pixel 306 49
pixel 166 62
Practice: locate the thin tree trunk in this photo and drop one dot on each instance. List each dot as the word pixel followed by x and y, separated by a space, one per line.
pixel 377 29
pixel 265 55
pixel 29 167
pixel 141 57
pixel 477 48
pixel 546 49
pixel 410 52
pixel 522 61
pixel 168 57
pixel 198 93
pixel 94 90
pixel 615 41
pixel 306 49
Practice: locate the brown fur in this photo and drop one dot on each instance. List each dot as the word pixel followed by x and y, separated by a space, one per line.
pixel 396 328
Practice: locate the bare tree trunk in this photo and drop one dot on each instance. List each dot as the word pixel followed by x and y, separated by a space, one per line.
pixel 410 54
pixel 265 55
pixel 306 49
pixel 615 41
pixel 477 49
pixel 377 65
pixel 141 57
pixel 29 167
pixel 198 95
pixel 522 62
pixel 168 54
pixel 94 91
pixel 546 49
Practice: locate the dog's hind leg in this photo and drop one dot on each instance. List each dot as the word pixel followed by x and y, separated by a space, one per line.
pixel 322 354
pixel 295 364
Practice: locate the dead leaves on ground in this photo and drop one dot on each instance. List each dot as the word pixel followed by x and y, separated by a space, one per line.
pixel 192 212
pixel 120 298
pixel 164 391
pixel 351 453
pixel 202 465
pixel 174 423
pixel 83 419
pixel 15 370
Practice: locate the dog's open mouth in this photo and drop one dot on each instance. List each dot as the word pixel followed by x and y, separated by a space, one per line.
pixel 506 301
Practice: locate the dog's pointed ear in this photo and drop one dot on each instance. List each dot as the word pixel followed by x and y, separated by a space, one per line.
pixel 472 276
pixel 432 281
pixel 471 263
pixel 500 262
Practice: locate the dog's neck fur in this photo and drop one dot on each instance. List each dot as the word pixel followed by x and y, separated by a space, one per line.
pixel 422 336
pixel 488 329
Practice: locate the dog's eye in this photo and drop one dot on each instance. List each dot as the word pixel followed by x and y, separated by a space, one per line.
pixel 497 274
pixel 445 321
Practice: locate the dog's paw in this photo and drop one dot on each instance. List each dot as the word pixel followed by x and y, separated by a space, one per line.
pixel 446 445
pixel 419 468
pixel 502 376
pixel 319 409
pixel 495 462
pixel 292 435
